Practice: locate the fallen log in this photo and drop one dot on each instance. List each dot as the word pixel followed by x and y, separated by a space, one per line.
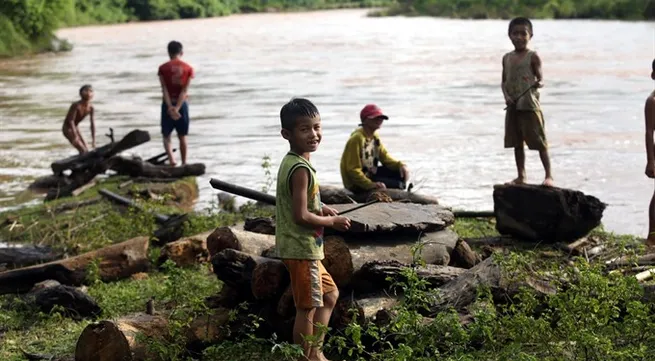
pixel 123 339
pixel 463 256
pixel 235 269
pixel 236 238
pixel 398 195
pixel 19 256
pixel 187 251
pixel 74 303
pixel 381 275
pixel 263 225
pixel 432 248
pixel 86 160
pixel 114 262
pixel 135 167
pixel 645 260
pixel 269 280
pixel 335 195
pixel 462 291
pixel 362 310
pixel 545 214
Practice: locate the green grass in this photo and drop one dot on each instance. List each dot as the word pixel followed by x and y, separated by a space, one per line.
pixel 25 327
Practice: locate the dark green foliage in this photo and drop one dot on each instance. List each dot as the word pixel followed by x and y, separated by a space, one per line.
pixel 559 9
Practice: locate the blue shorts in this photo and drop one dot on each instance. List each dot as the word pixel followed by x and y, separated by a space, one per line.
pixel 181 125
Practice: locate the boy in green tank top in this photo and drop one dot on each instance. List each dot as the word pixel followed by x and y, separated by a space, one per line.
pixel 300 217
pixel 649 115
pixel 524 121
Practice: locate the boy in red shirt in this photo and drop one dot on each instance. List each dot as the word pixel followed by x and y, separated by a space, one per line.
pixel 175 77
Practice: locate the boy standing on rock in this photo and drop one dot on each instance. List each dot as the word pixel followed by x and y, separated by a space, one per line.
pixel 524 121
pixel 300 219
pixel 649 115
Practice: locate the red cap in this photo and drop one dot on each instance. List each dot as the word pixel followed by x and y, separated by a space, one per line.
pixel 371 111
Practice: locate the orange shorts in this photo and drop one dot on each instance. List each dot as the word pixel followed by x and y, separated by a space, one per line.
pixel 309 282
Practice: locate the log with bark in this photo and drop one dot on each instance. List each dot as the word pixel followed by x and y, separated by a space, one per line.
pixel 398 195
pixel 114 262
pixel 136 167
pixel 187 251
pixel 432 248
pixel 72 301
pixel 235 269
pixel 546 214
pixel 238 239
pixel 361 310
pixel 462 291
pixel 263 225
pixel 463 256
pixel 103 153
pixel 23 256
pixel 269 280
pixel 122 339
pixel 374 275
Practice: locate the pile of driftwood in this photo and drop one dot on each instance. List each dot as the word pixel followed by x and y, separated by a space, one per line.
pixel 72 175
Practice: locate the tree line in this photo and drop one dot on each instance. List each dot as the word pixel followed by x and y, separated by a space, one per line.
pixel 504 9
pixel 29 25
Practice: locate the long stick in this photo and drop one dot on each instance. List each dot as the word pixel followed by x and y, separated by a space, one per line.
pixel 359 207
pixel 263 197
pixel 520 95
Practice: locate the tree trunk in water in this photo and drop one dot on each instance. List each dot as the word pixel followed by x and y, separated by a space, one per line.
pixel 114 262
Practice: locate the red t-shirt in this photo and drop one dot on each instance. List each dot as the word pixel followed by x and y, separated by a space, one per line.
pixel 176 74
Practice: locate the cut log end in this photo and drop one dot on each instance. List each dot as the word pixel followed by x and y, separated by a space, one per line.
pixel 102 341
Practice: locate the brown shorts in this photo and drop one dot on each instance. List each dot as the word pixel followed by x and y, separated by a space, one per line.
pixel 525 126
pixel 309 282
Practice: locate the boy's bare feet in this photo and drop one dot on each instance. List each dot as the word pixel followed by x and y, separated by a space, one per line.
pixel 650 241
pixel 548 182
pixel 518 180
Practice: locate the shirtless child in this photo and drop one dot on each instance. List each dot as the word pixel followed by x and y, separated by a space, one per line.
pixel 649 115
pixel 76 113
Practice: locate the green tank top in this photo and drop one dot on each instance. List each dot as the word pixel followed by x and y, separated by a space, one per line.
pixel 294 241
pixel 519 77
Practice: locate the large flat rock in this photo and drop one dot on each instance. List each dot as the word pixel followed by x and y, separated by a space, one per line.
pixel 397 217
pixel 545 214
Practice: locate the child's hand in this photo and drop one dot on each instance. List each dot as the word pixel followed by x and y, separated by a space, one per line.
pixel 538 84
pixel 650 170
pixel 341 223
pixel 329 211
pixel 173 113
pixel 508 101
pixel 380 185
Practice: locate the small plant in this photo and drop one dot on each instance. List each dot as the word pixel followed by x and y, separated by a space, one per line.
pixel 268 175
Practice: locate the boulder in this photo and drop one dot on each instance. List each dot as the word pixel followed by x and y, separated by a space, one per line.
pixel 545 214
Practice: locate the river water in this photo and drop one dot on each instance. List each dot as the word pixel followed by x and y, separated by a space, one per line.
pixel 437 79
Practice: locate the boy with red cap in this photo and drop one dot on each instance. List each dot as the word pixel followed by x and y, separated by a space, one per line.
pixel 365 162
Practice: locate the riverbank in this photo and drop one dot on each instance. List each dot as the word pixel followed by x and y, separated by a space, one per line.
pixel 26 29
pixel 540 9
pixel 589 311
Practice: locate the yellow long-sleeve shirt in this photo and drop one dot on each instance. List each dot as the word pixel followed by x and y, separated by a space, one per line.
pixel 359 160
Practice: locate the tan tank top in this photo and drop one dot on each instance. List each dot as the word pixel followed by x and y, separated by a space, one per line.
pixel 518 77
